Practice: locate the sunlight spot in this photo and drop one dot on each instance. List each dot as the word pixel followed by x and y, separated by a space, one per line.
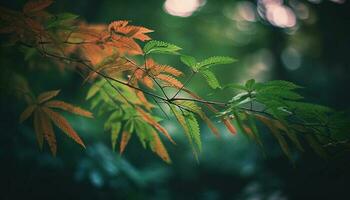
pixel 245 11
pixel 182 8
pixel 338 1
pixel 280 16
pixel 291 58
pixel 276 13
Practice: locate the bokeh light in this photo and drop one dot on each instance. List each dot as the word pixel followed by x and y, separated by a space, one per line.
pixel 182 8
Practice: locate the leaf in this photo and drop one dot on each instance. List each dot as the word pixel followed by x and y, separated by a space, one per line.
pixel 69 108
pixel 154 123
pixel 161 47
pixel 142 131
pixel 63 124
pixel 94 89
pixel 158 147
pixel 135 32
pixel 254 129
pixel 278 94
pixel 210 124
pixel 126 135
pixel 213 61
pixel 250 84
pixel 170 70
pixel 48 133
pixel 27 113
pixel 275 132
pixel 124 141
pixel 36 5
pixel 194 131
pixel 47 95
pixel 170 80
pixel 61 21
pixel 38 129
pixel 229 126
pixel 211 79
pixel 189 61
pixel 115 133
pixel 236 86
pixel 315 145
pixel 279 84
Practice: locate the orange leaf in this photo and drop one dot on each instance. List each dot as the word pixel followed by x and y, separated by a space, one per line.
pixel 68 107
pixel 137 32
pixel 124 141
pixel 143 100
pixel 63 124
pixel 170 80
pixel 38 128
pixel 158 147
pixel 170 70
pixel 36 5
pixel 48 133
pixel 229 126
pixel 26 113
pixel 47 95
pixel 153 122
pixel 210 124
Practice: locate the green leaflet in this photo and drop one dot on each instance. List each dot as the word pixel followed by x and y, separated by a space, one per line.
pixel 277 134
pixel 143 131
pixel 189 105
pixel 61 21
pixel 191 127
pixel 115 129
pixel 279 84
pixel 213 61
pixel 211 79
pixel 95 88
pixel 250 85
pixel 194 130
pixel 116 116
pixel 189 61
pixel 236 87
pixel 155 46
pixel 206 63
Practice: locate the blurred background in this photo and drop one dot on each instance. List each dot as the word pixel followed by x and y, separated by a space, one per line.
pixel 306 42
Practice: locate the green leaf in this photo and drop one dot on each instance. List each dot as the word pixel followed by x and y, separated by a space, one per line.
pixel 113 118
pixel 189 61
pixel 211 79
pixel 278 93
pixel 280 84
pixel 160 47
pixel 213 61
pixel 250 84
pixel 236 86
pixel 143 131
pixel 61 20
pixel 194 131
pixel 189 105
pixel 115 129
pixel 129 126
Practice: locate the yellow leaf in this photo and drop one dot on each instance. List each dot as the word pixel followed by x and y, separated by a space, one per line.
pixel 68 107
pixel 63 124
